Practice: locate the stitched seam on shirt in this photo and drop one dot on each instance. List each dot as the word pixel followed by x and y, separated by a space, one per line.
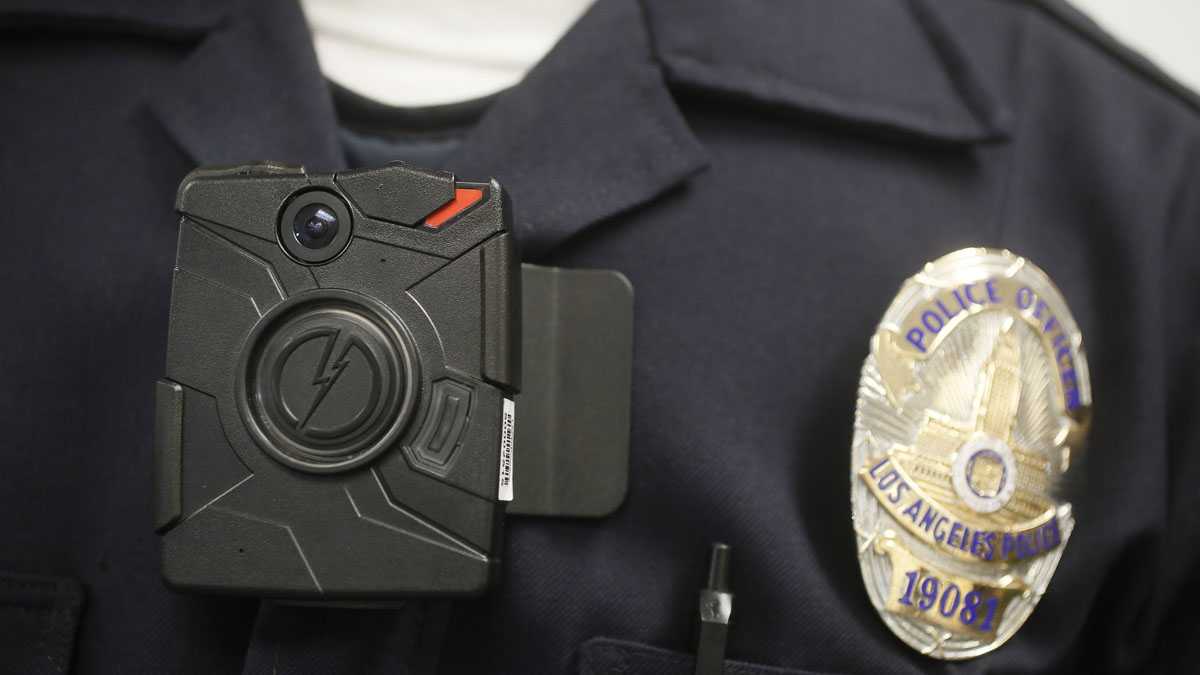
pixel 659 129
pixel 1020 116
pixel 961 73
pixel 935 124
pixel 1115 49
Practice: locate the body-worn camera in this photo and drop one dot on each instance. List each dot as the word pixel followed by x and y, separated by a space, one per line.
pixel 337 416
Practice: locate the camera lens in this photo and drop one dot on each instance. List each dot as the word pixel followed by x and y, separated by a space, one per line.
pixel 315 226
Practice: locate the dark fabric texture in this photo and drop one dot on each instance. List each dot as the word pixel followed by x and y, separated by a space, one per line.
pixel 766 174
pixel 320 640
pixel 373 133
pixel 38 620
pixel 603 656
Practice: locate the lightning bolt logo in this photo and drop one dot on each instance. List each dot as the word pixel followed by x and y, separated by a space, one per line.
pixel 327 375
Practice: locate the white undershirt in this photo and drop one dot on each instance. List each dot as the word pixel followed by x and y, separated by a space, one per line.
pixel 418 53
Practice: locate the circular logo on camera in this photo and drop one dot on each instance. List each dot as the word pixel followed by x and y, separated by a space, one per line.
pixel 329 381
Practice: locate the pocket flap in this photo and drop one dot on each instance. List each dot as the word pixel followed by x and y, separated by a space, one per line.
pixel 605 656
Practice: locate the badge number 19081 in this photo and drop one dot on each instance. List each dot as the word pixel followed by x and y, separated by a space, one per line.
pixel 971 402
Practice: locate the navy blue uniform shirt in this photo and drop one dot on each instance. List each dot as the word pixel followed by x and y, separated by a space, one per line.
pixel 766 174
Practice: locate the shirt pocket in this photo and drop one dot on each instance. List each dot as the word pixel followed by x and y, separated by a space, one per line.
pixel 606 656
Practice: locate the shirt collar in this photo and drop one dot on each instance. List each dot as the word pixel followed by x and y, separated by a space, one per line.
pixel 892 67
pixel 177 19
pixel 251 90
pixel 593 130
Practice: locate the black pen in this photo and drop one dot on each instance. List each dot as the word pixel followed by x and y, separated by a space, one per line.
pixel 716 608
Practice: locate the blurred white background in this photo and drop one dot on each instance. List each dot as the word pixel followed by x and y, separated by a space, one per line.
pixel 1165 31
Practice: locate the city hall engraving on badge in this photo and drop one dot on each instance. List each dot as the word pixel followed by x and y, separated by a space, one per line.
pixel 972 400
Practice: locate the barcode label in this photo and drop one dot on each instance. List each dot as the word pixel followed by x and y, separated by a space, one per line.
pixel 507 424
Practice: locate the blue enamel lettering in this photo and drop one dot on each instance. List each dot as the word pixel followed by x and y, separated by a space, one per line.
pixel 939 529
pixel 875 468
pixel 955 531
pixel 928 317
pixel 916 337
pixel 958 296
pixel 971 296
pixel 1024 297
pixel 913 510
pixel 991 291
pixel 928 518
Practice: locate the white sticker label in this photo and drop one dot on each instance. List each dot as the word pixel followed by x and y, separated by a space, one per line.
pixel 507 426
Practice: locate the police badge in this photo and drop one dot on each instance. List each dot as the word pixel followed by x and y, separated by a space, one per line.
pixel 970 404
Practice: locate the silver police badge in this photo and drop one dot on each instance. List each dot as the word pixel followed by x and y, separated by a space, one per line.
pixel 971 402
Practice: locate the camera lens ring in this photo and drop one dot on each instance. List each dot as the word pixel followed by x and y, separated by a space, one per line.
pixel 315 226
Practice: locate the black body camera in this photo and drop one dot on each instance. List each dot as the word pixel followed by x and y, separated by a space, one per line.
pixel 336 421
